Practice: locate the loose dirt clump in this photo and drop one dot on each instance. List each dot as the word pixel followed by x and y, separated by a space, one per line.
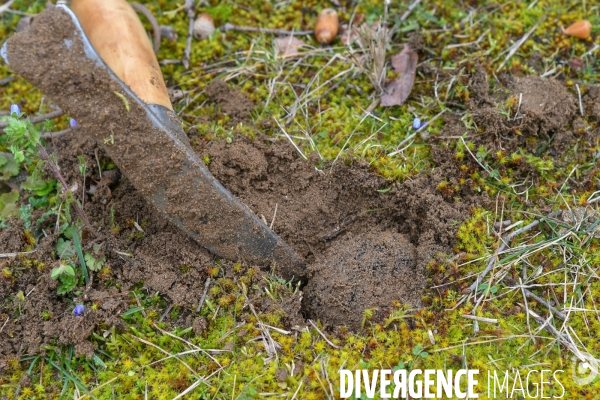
pixel 230 102
pixel 531 112
pixel 546 106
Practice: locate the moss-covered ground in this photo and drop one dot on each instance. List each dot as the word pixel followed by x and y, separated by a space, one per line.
pixel 322 96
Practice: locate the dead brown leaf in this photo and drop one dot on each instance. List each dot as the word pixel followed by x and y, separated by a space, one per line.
pixel 287 46
pixel 348 34
pixel 397 91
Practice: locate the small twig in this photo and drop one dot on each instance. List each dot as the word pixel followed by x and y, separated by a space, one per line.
pixel 50 115
pixel 409 10
pixel 290 139
pixel 505 240
pixel 580 104
pixel 150 17
pixel 518 44
pixel 7 80
pixel 537 298
pixel 273 220
pixel 39 118
pixel 190 388
pixel 484 167
pixel 519 106
pixel 196 348
pixel 53 135
pixel 431 337
pixel 553 331
pixel 164 351
pixel 166 312
pixel 527 310
pixel 4 7
pixel 297 390
pixel 335 346
pixel 590 51
pixel 98 163
pixel 170 62
pixel 268 342
pixel 502 224
pixel 46 157
pixel 4 324
pixel 190 9
pixel 201 303
pixel 282 32
pixel 372 106
pixel 13 255
pixel 480 319
pixel 479 39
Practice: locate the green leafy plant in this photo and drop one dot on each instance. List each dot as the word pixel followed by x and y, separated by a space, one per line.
pixel 94 262
pixel 66 275
pixel 64 248
pixel 8 204
pixel 418 352
pixel 22 139
pixel 9 167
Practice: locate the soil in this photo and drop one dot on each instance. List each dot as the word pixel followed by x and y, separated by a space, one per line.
pixel 230 102
pixel 323 215
pixel 318 210
pixel 527 116
pixel 368 271
pixel 366 241
pixel 533 113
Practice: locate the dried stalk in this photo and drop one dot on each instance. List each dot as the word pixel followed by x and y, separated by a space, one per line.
pixel 46 157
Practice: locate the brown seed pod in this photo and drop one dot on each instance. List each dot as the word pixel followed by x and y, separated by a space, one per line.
pixel 580 29
pixel 204 26
pixel 327 26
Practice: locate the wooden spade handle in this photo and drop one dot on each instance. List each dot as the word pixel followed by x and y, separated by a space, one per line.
pixel 117 34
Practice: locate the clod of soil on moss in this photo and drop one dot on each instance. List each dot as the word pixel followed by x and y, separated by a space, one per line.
pixel 230 102
pixel 369 271
pixel 534 113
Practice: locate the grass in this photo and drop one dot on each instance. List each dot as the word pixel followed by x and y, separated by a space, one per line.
pixel 318 102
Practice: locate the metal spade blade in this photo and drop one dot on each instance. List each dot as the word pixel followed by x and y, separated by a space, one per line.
pixel 145 141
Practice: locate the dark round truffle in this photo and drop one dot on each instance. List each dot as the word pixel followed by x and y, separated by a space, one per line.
pixel 363 272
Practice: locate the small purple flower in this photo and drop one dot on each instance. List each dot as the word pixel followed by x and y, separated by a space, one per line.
pixel 417 123
pixel 15 109
pixel 78 310
pixel 73 123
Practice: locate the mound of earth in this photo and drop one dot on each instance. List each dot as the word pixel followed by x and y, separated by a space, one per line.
pixel 318 212
pixel 322 212
pixel 538 114
pixel 230 102
pixel 368 271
